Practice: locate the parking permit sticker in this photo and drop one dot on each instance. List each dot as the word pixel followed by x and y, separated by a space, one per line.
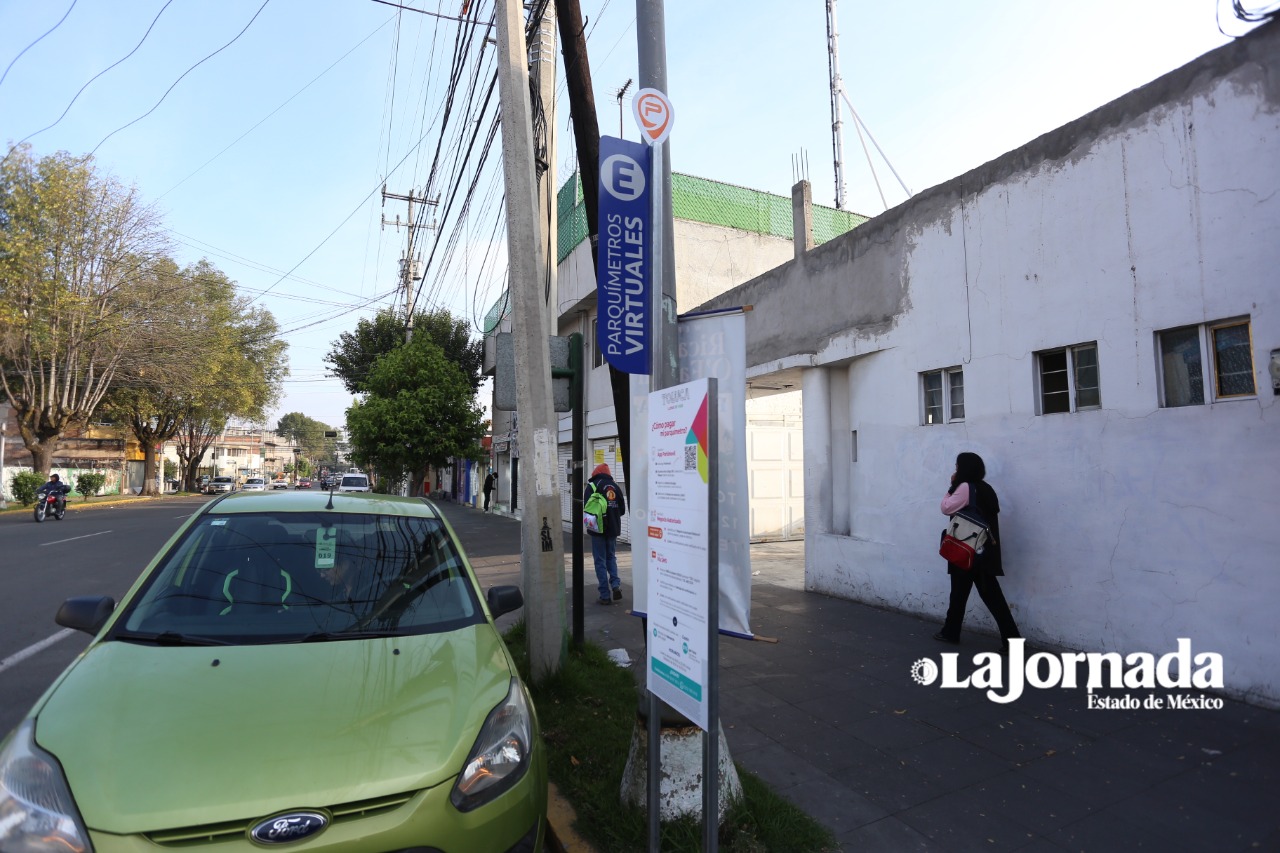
pixel 326 547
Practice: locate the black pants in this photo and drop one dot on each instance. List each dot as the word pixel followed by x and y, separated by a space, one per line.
pixel 487 495
pixel 992 596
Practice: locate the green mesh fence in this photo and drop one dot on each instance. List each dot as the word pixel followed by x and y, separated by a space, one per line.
pixel 696 200
pixel 571 218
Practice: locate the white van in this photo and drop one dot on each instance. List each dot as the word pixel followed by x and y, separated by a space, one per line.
pixel 354 483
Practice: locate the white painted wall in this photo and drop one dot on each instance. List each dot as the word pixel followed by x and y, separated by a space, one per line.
pixel 1124 528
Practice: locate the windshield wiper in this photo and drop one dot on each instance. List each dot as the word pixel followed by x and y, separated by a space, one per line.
pixel 327 636
pixel 172 638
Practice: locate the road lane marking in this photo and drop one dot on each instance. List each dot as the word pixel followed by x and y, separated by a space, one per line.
pixel 73 538
pixel 15 659
pixel 188 515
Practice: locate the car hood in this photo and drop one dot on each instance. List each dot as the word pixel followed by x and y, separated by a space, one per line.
pixel 159 737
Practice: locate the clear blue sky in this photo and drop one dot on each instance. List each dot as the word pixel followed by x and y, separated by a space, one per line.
pixel 268 157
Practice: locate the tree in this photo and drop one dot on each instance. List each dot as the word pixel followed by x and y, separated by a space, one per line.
pixel 76 256
pixel 420 412
pixel 212 357
pixel 196 433
pixel 306 433
pixel 354 354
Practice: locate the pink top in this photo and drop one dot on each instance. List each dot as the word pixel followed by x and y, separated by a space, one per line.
pixel 957 500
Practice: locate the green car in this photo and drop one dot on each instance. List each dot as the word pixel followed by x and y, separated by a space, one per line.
pixel 303 671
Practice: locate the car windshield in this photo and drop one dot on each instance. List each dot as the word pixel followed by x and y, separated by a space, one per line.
pixel 354 481
pixel 222 479
pixel 290 577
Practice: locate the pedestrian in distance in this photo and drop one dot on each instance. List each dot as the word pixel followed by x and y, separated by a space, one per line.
pixel 490 483
pixel 604 543
pixel 969 486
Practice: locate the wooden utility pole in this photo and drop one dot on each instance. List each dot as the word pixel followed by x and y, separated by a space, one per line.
pixel 586 131
pixel 542 543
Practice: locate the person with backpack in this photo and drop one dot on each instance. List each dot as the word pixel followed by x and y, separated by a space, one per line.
pixel 969 487
pixel 602 510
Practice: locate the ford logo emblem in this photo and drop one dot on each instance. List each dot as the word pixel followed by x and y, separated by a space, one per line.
pixel 285 828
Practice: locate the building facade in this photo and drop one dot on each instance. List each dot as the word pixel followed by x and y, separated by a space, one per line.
pixel 1098 315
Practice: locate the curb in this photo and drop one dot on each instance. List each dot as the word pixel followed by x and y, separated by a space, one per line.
pixel 74 506
pixel 561 837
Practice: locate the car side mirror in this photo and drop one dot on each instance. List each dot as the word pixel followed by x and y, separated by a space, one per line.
pixel 86 613
pixel 504 599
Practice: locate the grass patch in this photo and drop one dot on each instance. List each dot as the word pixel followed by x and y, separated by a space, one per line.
pixel 588 713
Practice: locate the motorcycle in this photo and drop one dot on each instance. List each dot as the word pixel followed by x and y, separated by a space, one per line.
pixel 50 502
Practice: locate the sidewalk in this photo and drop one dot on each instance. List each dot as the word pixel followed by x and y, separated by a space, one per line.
pixel 830 717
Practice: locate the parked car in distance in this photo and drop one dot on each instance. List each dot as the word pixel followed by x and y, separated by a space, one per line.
pixel 280 483
pixel 202 482
pixel 255 484
pixel 304 482
pixel 396 719
pixel 219 485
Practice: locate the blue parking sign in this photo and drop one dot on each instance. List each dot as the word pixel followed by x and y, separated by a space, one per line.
pixel 624 278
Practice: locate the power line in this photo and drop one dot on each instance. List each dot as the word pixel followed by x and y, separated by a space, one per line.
pixel 94 77
pixel 263 120
pixel 368 196
pixel 34 43
pixel 179 80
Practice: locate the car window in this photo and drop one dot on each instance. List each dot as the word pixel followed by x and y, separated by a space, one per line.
pixel 355 481
pixel 284 577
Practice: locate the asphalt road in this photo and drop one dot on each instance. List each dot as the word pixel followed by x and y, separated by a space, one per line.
pixel 95 551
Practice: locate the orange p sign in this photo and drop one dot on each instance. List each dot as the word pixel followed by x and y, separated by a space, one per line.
pixel 654 115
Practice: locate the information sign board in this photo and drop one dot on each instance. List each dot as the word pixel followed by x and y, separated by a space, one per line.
pixel 681 453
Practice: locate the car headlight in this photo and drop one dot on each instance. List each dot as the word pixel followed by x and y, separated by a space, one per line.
pixel 501 753
pixel 37 813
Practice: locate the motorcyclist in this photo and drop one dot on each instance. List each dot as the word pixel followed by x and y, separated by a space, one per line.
pixel 56 486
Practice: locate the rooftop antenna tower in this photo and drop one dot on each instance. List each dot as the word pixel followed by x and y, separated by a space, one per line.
pixel 837 125
pixel 837 86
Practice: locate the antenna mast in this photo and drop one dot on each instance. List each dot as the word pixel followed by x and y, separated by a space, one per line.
pixel 837 87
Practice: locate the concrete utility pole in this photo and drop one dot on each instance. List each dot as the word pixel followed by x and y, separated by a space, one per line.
pixel 542 61
pixel 542 545
pixel 409 269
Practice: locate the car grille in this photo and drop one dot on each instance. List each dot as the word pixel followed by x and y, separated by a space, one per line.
pixel 213 833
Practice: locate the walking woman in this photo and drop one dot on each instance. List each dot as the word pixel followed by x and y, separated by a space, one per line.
pixel 968 486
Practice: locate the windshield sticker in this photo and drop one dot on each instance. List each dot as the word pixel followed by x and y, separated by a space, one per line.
pixel 218 522
pixel 326 547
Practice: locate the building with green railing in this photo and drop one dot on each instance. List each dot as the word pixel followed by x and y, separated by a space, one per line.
pixel 696 200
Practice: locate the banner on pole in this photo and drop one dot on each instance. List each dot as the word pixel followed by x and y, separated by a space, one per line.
pixel 709 345
pixel 624 278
